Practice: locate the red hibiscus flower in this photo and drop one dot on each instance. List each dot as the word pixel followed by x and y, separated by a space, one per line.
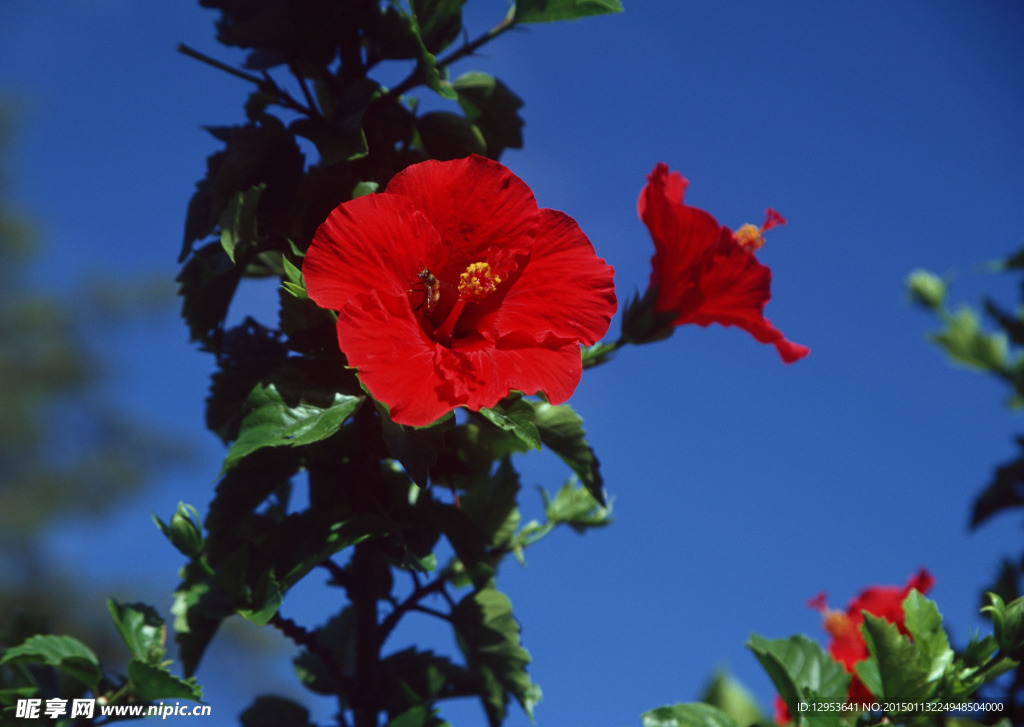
pixel 452 289
pixel 704 272
pixel 847 645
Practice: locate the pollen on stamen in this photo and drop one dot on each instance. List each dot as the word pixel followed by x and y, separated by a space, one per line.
pixel 838 624
pixel 478 281
pixel 749 237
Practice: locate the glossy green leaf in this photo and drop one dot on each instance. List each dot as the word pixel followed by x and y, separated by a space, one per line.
pixel 293 281
pixel 895 671
pixel 688 715
pixel 561 430
pixel 573 505
pixel 238 230
pixel 152 682
pixel 488 636
pixel 1007 621
pixel 141 628
pixel 542 11
pixel 802 673
pixel 270 422
pixel 516 415
pixel 65 653
pixel 924 624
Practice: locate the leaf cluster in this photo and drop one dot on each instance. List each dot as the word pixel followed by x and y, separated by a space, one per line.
pixel 914 676
pixel 38 665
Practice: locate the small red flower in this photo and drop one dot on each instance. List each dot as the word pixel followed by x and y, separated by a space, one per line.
pixel 847 645
pixel 453 288
pixel 704 272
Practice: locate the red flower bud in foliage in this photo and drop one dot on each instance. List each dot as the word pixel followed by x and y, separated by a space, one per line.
pixel 453 289
pixel 703 272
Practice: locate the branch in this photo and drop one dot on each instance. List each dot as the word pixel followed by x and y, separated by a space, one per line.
pixel 412 603
pixel 304 638
pixel 416 78
pixel 265 84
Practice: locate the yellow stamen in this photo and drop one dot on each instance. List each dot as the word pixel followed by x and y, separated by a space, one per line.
pixel 749 237
pixel 838 624
pixel 478 281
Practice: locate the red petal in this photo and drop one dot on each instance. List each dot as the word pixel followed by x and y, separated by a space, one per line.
pixel 372 243
pixel 382 338
pixel 564 291
pixel 473 203
pixel 483 376
pixel 683 237
pixel 734 289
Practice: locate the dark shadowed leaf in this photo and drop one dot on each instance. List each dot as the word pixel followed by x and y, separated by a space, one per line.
pixel 542 11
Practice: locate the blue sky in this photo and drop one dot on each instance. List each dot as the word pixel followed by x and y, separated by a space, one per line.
pixel 887 133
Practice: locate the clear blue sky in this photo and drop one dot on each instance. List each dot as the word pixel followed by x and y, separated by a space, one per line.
pixel 887 133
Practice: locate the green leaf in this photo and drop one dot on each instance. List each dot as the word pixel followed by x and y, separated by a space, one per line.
pixel 65 653
pixel 491 504
pixel 274 712
pixel 730 696
pixel 542 11
pixel 895 671
pixel 924 624
pixel 927 289
pixel 270 422
pixel 1007 621
pixel 416 448
pixel 293 282
pixel 493 109
pixel 688 715
pixel 266 599
pixel 448 136
pixel 141 628
pixel 968 343
pixel 238 222
pixel 576 507
pixel 802 672
pixel 364 188
pixel 200 604
pixel 516 415
pixel 439 21
pixel 151 682
pixel 561 430
pixel 488 636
